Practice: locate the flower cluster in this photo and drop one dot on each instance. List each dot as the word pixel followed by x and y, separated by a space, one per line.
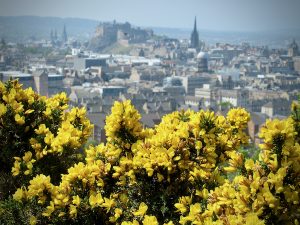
pixel 73 131
pixel 186 170
pixel 269 187
pixel 23 165
pixel 121 180
pixel 123 126
pixel 38 134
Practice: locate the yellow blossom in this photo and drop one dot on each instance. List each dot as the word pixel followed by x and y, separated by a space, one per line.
pixel 150 220
pixel 32 220
pixel 19 119
pixel 95 200
pixel 142 210
pixel 3 109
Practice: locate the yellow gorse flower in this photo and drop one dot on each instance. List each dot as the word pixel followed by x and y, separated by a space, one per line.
pixel 141 210
pixel 185 170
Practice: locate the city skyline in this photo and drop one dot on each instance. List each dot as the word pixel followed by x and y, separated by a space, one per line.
pixel 232 15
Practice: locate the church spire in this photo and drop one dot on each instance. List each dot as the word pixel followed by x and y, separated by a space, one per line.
pixel 195 37
pixel 195 24
pixel 64 35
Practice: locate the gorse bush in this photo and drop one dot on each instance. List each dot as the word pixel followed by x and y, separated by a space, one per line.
pixel 176 173
pixel 38 135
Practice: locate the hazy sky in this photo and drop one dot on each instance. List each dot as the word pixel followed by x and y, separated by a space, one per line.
pixel 211 14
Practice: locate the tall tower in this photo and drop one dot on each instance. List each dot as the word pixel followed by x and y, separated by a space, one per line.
pixel 195 37
pixel 51 36
pixel 64 35
pixel 293 49
pixel 41 82
pixel 55 35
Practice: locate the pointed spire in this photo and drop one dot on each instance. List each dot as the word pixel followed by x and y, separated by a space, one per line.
pixel 55 34
pixel 64 34
pixel 195 36
pixel 51 35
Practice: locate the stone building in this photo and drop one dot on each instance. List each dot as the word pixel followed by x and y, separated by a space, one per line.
pixel 202 60
pixel 293 49
pixel 208 95
pixel 276 107
pixel 236 97
pixel 297 64
pixel 24 78
pixel 109 33
pixel 191 82
pixel 41 81
pixel 257 120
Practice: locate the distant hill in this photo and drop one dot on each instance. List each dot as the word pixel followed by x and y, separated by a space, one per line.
pixel 272 38
pixel 21 28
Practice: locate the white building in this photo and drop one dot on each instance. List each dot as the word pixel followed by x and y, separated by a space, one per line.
pixel 236 97
pixel 207 94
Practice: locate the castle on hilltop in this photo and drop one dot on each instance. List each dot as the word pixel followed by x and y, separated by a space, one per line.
pixel 123 33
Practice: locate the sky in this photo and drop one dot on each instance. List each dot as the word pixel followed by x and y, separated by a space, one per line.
pixel 220 15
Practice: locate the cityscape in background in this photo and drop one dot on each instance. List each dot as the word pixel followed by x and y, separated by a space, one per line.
pixel 160 70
